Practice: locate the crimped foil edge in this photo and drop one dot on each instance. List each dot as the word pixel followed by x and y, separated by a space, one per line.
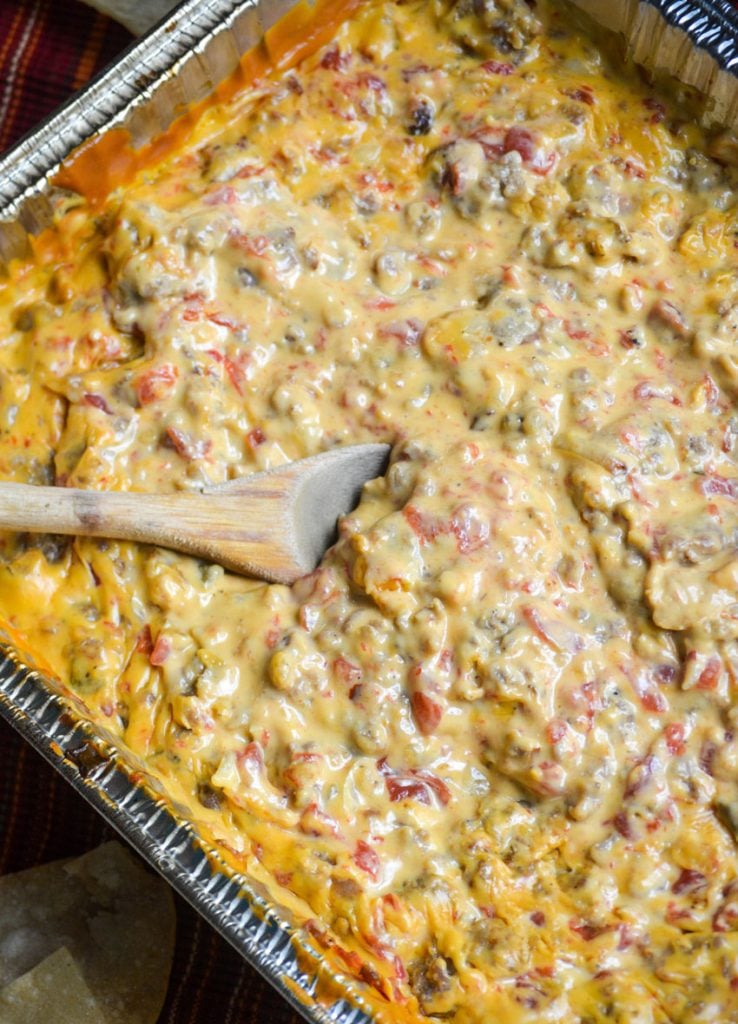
pixel 177 63
pixel 692 41
pixel 225 899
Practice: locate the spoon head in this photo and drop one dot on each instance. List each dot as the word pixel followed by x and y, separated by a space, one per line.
pixel 329 486
pixel 277 525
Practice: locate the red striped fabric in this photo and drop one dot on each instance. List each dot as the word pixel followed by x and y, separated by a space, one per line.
pixel 49 48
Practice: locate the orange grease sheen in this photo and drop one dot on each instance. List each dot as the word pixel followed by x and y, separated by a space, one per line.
pixel 108 161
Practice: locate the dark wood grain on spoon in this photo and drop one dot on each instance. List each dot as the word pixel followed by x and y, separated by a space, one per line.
pixel 274 525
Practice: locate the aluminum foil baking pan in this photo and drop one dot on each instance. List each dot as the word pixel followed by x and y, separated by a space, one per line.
pixel 175 66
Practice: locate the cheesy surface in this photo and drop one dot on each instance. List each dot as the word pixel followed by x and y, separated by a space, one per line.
pixel 489 746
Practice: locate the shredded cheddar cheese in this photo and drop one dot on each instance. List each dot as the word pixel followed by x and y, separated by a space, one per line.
pixel 488 749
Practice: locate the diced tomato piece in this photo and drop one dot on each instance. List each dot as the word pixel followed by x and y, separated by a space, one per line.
pixel 60 342
pixel 426 527
pixel 367 859
pixel 306 757
pixel 650 696
pixel 666 674
pixel 438 786
pixel 582 94
pixel 710 674
pixel 185 446
pixel 497 67
pixel 250 171
pixel 533 619
pixel 471 532
pixel 274 634
pixel 255 437
pixel 101 347
pixel 729 436
pixel 144 641
pixel 156 383
pixel 626 937
pixel 634 168
pixel 674 734
pixel 179 441
pixel 406 332
pixel 346 671
pixel 251 757
pixel 657 108
pixel 224 194
pixel 97 402
pixel 221 320
pixel 318 932
pixel 522 141
pixel 413 784
pixel 427 712
pixel 235 374
pixel 335 60
pixel 446 659
pixel 379 303
pixel 652 700
pixel 645 390
pixel 371 976
pixel 194 307
pixel 689 881
pixel 712 391
pixel 621 822
pixel 640 775
pixel 400 971
pixel 674 913
pixel 314 822
pixel 161 650
pixel 721 486
pixel 407 788
pixel 597 347
pixel 556 730
pixel 726 917
pixel 708 753
pixel 670 315
pixel 251 245
pixel 352 959
pixel 370 81
pixel 586 929
pixel 416 69
pixel 391 899
pixel 576 333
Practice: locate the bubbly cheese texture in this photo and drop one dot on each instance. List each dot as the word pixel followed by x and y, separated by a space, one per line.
pixel 489 747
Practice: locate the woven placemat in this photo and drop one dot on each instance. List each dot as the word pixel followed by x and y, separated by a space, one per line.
pixel 48 50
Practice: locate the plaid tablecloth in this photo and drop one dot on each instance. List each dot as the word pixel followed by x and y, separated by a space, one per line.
pixel 49 48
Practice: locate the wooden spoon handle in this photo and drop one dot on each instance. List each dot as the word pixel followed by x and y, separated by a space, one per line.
pixel 66 510
pixel 245 531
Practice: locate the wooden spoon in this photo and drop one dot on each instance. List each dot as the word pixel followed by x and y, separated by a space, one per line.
pixel 275 525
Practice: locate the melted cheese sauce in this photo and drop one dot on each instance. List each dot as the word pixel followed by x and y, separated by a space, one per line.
pixel 490 746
